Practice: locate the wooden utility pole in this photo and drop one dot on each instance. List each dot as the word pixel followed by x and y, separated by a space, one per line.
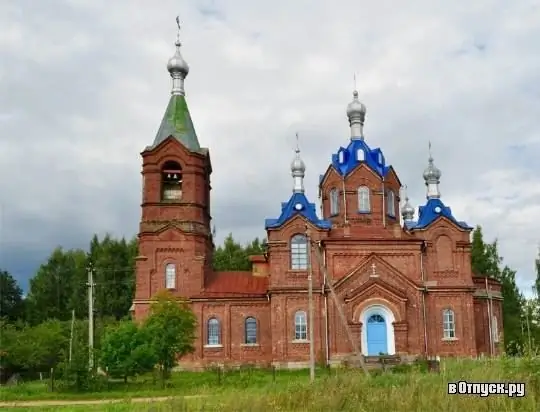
pixel 339 308
pixel 311 323
pixel 71 335
pixel 90 316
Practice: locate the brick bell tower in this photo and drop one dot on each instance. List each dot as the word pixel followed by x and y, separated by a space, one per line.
pixel 175 241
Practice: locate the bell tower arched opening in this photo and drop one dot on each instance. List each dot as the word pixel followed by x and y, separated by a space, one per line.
pixel 171 181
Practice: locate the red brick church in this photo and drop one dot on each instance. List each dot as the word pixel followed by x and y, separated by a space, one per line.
pixel 383 282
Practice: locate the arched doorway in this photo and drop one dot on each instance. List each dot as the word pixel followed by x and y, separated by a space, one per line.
pixel 377 339
pixel 377 331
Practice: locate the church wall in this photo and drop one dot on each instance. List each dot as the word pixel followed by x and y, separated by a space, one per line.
pixel 232 349
pixel 461 303
pixel 342 259
pixel 287 350
pixel 187 252
pixel 364 225
pixel 281 274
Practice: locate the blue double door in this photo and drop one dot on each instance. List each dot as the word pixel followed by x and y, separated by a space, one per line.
pixel 377 339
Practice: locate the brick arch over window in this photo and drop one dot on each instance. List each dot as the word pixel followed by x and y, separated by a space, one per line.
pixel 444 247
pixel 396 312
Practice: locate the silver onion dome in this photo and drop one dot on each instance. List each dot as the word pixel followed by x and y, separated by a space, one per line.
pixel 432 174
pixel 356 107
pixel 407 211
pixel 177 65
pixel 298 167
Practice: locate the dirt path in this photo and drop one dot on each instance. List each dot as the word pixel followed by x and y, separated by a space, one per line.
pixel 52 402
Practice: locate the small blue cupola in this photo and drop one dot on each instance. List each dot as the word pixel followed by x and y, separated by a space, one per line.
pixel 298 204
pixel 348 158
pixel 434 207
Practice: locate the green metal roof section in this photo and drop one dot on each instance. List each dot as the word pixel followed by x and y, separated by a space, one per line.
pixel 177 123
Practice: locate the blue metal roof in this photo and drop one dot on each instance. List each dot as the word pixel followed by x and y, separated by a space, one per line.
pixel 431 211
pixel 347 159
pixel 298 204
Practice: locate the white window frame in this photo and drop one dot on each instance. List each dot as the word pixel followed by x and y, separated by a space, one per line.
pixel 213 330
pixel 334 202
pixel 391 203
pixel 170 276
pixel 300 326
pixel 250 331
pixel 299 252
pixel 360 155
pixel 449 324
pixel 364 203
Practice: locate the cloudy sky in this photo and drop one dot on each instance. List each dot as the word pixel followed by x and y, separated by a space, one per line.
pixel 83 87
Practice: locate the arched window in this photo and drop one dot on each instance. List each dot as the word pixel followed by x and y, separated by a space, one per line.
pixel 363 199
pixel 449 324
pixel 214 333
pixel 341 157
pixel 334 202
pixel 360 155
pixel 391 203
pixel 300 325
pixel 170 276
pixel 250 326
pixel 171 181
pixel 299 252
pixel 495 328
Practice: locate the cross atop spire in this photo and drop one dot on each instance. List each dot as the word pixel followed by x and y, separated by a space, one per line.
pixel 177 121
pixel 177 66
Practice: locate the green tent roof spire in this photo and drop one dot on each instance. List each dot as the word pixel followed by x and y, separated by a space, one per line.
pixel 177 120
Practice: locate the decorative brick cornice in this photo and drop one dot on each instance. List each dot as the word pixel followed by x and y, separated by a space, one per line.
pixel 363 255
pixel 156 226
pixel 446 273
pixel 169 250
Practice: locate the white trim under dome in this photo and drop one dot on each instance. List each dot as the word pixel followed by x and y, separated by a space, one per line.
pixel 389 319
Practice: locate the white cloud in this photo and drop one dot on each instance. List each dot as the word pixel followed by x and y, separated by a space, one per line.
pixel 84 87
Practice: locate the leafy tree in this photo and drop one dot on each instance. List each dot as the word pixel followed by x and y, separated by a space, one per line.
pixel 42 345
pixel 232 256
pixel 57 287
pixel 11 300
pixel 126 351
pixel 486 261
pixel 9 336
pixel 60 285
pixel 114 275
pixel 33 348
pixel 171 326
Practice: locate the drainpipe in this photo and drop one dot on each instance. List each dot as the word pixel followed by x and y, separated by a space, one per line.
pixel 345 219
pixel 489 318
pixel 383 204
pixel 326 331
pixel 424 291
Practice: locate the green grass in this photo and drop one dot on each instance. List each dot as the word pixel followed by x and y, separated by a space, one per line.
pixel 181 383
pixel 347 390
